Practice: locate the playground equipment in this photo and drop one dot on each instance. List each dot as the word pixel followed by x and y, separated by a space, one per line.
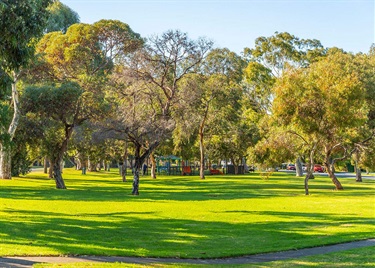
pixel 169 165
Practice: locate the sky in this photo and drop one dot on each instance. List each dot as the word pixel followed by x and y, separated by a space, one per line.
pixel 235 24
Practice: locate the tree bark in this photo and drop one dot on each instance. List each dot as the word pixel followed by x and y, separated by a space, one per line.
pixel 358 174
pixel 50 170
pixel 138 161
pixel 124 163
pixel 92 166
pixel 201 147
pixel 299 170
pixel 135 190
pixel 153 166
pixel 5 149
pixel 330 170
pixel 235 166
pixel 57 159
pixel 57 175
pixel 5 161
pixel 45 165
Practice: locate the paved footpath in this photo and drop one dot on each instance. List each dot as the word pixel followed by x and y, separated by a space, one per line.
pixel 22 262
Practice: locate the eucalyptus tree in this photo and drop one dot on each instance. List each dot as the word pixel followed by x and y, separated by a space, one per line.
pixel 268 60
pixel 53 111
pixel 201 98
pixel 148 85
pixel 325 105
pixel 60 17
pixel 204 95
pixel 81 58
pixel 21 22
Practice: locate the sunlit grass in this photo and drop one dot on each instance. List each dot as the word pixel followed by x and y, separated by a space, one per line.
pixel 183 217
pixel 358 258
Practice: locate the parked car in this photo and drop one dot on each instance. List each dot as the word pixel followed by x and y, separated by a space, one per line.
pixel 318 168
pixel 291 167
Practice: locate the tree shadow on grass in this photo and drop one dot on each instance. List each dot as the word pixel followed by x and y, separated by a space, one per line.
pixel 147 234
pixel 172 188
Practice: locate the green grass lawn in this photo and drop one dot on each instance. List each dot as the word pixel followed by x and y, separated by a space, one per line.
pixel 179 216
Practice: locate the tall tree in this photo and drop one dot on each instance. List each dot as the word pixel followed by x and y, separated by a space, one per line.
pixel 84 56
pixel 21 22
pixel 61 17
pixel 54 111
pixel 325 103
pixel 148 90
pixel 204 95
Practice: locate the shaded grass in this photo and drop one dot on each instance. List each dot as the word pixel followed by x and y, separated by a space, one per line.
pixel 182 217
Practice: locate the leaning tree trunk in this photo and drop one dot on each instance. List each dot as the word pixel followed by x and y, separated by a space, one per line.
pixel 45 165
pixel 331 173
pixel 5 162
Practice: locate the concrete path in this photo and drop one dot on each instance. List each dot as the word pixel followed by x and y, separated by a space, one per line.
pixel 23 262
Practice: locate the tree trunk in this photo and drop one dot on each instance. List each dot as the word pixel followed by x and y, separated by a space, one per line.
pixel 153 166
pixel 125 162
pixel 307 183
pixel 299 170
pixel 5 162
pixel 201 147
pixel 92 166
pixel 45 165
pixel 137 166
pixel 331 173
pixel 5 149
pixel 139 159
pixel 50 170
pixel 235 166
pixel 57 173
pixel 358 174
pixel 135 190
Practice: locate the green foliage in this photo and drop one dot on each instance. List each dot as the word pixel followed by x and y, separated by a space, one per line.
pixel 326 100
pixel 282 50
pixel 60 17
pixel 21 21
pixel 56 101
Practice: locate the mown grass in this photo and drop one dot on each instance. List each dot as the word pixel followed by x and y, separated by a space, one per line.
pixel 182 217
pixel 358 258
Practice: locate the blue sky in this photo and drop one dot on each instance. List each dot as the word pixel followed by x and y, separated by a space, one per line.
pixel 235 24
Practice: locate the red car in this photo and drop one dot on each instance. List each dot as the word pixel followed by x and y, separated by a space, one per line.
pixel 318 168
pixel 291 167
